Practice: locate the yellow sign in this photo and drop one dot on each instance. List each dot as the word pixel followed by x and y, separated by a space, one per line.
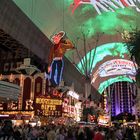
pixel 48 107
pixel 48 101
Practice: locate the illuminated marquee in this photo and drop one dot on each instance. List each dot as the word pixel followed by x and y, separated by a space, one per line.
pixel 73 94
pixel 49 107
pixel 106 5
pixel 115 67
pixel 103 120
pixel 68 109
pixel 8 106
pixel 17 115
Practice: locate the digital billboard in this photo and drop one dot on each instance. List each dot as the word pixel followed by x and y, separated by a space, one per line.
pixel 83 20
pixel 111 63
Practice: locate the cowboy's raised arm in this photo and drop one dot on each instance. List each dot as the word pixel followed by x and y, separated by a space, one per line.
pixel 68 44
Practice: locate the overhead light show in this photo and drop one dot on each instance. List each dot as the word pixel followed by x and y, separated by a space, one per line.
pixel 106 5
pixel 88 17
pixel 110 81
pixel 109 64
pixel 124 16
pixel 111 50
pixel 112 71
pixel 115 67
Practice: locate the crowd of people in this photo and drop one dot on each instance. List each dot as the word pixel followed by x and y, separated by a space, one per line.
pixel 62 132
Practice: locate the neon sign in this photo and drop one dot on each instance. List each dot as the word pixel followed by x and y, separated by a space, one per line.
pixel 106 5
pixel 49 107
pixel 73 94
pixel 115 67
pixel 8 106
pixel 68 109
pixel 29 105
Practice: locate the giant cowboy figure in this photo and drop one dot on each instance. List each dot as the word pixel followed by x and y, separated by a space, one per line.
pixel 55 60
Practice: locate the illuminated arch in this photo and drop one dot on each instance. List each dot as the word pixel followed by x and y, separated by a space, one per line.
pixel 110 81
pixel 121 19
pixel 109 49
pixel 103 54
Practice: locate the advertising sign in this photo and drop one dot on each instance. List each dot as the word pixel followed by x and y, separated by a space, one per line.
pixel 115 67
pixel 48 107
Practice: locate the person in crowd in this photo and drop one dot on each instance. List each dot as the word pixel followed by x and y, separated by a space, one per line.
pixel 70 135
pixel 99 135
pixel 61 135
pixel 88 133
pixel 118 133
pixel 51 135
pixel 81 134
pixel 55 60
pixel 110 134
pixel 130 134
pixel 7 131
pixel 17 134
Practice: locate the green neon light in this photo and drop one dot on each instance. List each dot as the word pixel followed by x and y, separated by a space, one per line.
pixel 108 22
pixel 110 81
pixel 44 14
pixel 110 49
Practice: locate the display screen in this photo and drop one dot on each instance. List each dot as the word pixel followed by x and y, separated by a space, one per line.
pixel 83 20
pixel 80 16
pixel 116 49
pixel 111 63
pixel 106 5
pixel 114 67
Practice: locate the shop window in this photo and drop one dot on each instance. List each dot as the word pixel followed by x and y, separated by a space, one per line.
pixel 38 87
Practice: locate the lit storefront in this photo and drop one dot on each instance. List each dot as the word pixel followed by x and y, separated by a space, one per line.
pixel 30 88
pixel 71 106
pixel 46 106
pixel 104 120
pixel 39 101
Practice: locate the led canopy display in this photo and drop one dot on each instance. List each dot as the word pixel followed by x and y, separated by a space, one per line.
pixel 115 67
pixel 89 18
pixel 110 81
pixel 109 64
pixel 106 5
pixel 116 49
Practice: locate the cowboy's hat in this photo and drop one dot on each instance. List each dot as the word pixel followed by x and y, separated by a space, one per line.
pixel 60 34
